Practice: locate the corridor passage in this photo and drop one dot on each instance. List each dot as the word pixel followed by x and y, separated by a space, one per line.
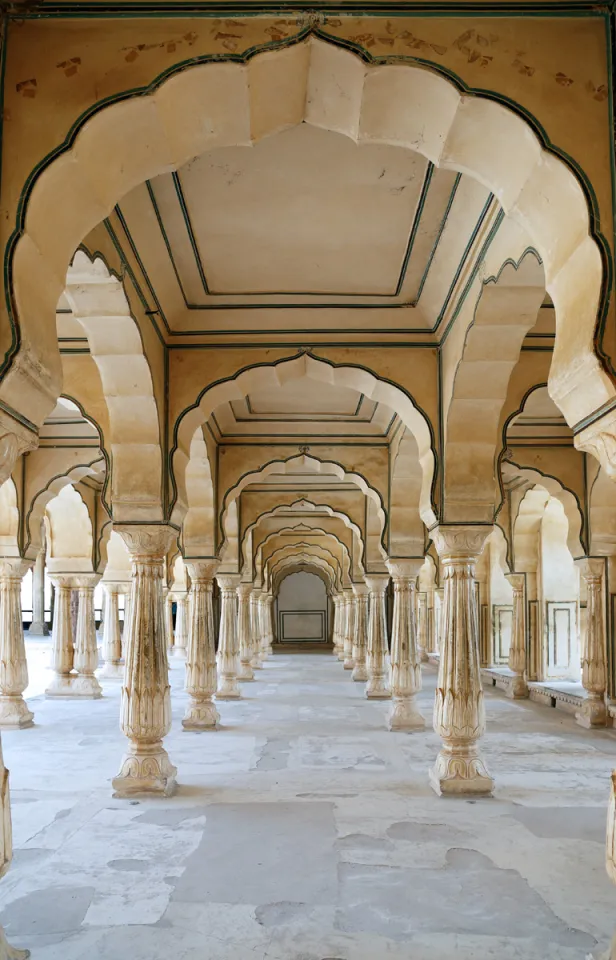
pixel 304 830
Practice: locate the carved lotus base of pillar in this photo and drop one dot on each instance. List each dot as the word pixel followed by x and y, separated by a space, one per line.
pixel 14 713
pixel 404 715
pixel 377 689
pixel 256 663
pixel 38 629
pixel 228 689
pixel 146 768
pixel 245 672
pixel 178 653
pixel 61 686
pixel 592 713
pixel 349 663
pixel 460 771
pixel 201 715
pixel 7 952
pixel 86 687
pixel 518 689
pixel 112 670
pixel 360 672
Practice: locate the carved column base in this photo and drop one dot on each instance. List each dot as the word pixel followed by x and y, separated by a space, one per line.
pixel 245 672
pixel 14 713
pixel 86 687
pixel 518 689
pixel 38 629
pixel 404 715
pixel 112 670
pixel 146 768
pixel 256 663
pixel 592 713
pixel 61 686
pixel 360 672
pixel 7 952
pixel 460 771
pixel 201 715
pixel 377 689
pixel 349 663
pixel 228 690
pixel 341 655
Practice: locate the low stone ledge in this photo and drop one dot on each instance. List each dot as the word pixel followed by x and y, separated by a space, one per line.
pixel 555 696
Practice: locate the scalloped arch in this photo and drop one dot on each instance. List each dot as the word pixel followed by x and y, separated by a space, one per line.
pixel 319 82
pixel 555 489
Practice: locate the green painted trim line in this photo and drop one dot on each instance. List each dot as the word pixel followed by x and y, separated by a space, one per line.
pixel 467 251
pixel 415 227
pixel 75 350
pixel 128 271
pixel 607 407
pixel 67 446
pixel 165 237
pixel 438 237
pixel 277 344
pixel 19 417
pixel 189 227
pixel 135 252
pixel 536 349
pixel 192 8
pixel 108 456
pixel 72 339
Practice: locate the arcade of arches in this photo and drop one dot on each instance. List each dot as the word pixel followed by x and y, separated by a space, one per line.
pixel 308 453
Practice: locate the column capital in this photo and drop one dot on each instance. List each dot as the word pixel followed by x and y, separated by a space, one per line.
pixel 405 568
pixel 517 581
pixel 591 568
pixel 113 587
pixel 202 569
pixel 359 589
pixel 146 540
pixel 14 568
pixel 377 582
pixel 460 540
pixel 86 580
pixel 63 580
pixel 228 581
pixel 244 589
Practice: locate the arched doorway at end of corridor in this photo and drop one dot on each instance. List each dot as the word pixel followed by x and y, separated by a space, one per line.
pixel 303 610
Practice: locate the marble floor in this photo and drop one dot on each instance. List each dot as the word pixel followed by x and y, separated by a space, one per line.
pixel 304 830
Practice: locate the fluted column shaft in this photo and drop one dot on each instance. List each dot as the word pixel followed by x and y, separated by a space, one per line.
pixel 336 626
pixel 377 687
pixel 593 712
pixel 201 678
pixel 145 716
pixel 255 626
pixel 262 612
pixel 405 662
pixel 349 663
pixel 168 602
pixel 459 714
pixel 517 647
pixel 268 619
pixel 85 661
pixel 421 601
pixel 13 665
pixel 113 668
pixel 438 624
pixel 228 648
pixel 38 627
pixel 360 634
pixel 181 626
pixel 63 650
pixel 244 631
pixel 344 614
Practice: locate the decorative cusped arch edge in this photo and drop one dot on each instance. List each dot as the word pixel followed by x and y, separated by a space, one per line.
pixel 318 80
pixel 303 551
pixel 263 556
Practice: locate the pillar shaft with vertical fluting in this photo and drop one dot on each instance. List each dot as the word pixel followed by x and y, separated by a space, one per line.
pixel 63 650
pixel 244 631
pixel 405 662
pixel 517 647
pixel 85 661
pixel 201 678
pixel 14 711
pixel 459 713
pixel 350 630
pixel 228 648
pixel 145 716
pixel 360 636
pixel 593 712
pixel 377 687
pixel 113 668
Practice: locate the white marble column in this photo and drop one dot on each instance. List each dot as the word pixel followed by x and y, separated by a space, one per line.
pixel 228 649
pixel 38 627
pixel 168 602
pixel 181 626
pixel 360 636
pixel 422 625
pixel 377 687
pixel 342 635
pixel 255 626
pixel 268 614
pixel 593 712
pixel 405 662
pixel 113 668
pixel 85 661
pixel 145 716
pixel 262 610
pixel 201 713
pixel 517 647
pixel 13 665
pixel 459 714
pixel 127 620
pixel 244 631
pixel 438 624
pixel 7 952
pixel 63 650
pixel 336 626
pixel 349 663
